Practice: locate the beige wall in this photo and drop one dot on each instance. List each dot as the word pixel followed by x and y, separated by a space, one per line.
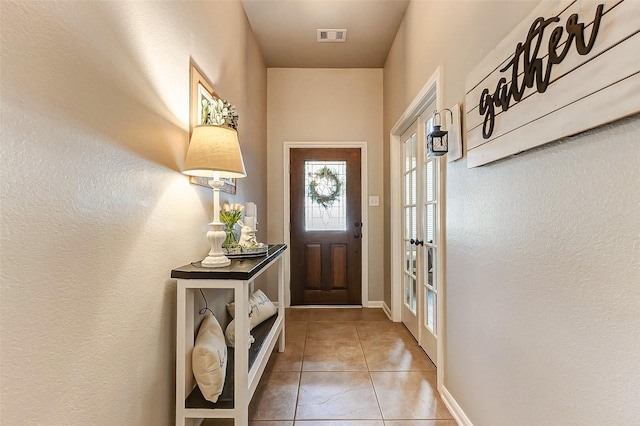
pixel 543 261
pixel 327 105
pixel 95 213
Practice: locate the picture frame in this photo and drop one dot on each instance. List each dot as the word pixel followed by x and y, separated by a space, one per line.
pixel 201 88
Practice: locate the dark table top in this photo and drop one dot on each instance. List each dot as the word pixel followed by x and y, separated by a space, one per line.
pixel 240 269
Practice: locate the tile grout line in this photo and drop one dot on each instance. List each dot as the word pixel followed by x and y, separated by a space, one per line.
pixel 304 347
pixel 375 394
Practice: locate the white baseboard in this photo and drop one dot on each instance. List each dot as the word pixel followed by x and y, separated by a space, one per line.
pixel 454 408
pixel 386 310
pixel 375 304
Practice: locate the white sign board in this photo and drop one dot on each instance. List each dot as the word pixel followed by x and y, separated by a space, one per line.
pixel 568 67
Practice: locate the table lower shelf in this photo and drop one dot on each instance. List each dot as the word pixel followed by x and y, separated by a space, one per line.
pixel 225 400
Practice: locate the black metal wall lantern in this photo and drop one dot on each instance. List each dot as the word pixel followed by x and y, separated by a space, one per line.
pixel 437 140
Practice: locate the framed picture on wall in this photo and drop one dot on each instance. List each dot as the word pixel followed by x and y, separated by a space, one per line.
pixel 202 90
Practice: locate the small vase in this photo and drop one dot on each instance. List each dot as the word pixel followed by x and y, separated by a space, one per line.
pixel 232 236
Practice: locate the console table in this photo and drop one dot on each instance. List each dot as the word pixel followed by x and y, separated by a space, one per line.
pixel 244 367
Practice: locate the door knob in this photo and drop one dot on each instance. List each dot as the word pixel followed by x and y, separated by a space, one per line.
pixel 419 242
pixel 412 241
pixel 356 235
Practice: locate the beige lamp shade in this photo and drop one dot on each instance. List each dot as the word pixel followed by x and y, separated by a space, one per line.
pixel 214 149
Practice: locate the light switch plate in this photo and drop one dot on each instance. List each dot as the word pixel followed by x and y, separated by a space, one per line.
pixel 374 201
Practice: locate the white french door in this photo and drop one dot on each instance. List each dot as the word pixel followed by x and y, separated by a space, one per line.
pixel 421 235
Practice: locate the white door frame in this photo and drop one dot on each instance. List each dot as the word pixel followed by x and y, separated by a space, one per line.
pixel 430 91
pixel 364 208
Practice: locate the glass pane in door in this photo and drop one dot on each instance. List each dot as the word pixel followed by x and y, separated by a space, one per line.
pixel 413 192
pixel 429 181
pixel 430 267
pixel 431 311
pixel 407 224
pixel 407 257
pixel 408 185
pixel 410 293
pixel 414 222
pixel 414 256
pixel 430 223
pixel 414 296
pixel 430 290
pixel 325 205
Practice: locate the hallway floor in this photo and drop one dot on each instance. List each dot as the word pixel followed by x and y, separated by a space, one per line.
pixel 348 367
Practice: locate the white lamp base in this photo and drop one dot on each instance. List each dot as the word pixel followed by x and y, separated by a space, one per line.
pixel 216 257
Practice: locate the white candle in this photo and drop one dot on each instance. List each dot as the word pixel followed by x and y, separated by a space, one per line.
pixel 250 221
pixel 250 210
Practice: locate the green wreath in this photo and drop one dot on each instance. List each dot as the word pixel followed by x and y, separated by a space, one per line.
pixel 325 187
pixel 219 112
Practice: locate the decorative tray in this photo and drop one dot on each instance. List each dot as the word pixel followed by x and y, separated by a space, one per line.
pixel 240 252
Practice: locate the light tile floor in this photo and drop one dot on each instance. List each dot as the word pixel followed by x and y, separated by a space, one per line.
pixel 347 367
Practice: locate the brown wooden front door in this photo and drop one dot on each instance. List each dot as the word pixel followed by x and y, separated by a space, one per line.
pixel 326 228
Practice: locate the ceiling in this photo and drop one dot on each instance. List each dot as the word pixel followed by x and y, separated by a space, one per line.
pixel 286 31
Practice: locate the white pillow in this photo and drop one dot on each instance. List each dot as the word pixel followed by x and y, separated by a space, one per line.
pixel 261 309
pixel 209 358
pixel 230 334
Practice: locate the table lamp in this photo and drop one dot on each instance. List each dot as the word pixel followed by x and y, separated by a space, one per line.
pixel 214 152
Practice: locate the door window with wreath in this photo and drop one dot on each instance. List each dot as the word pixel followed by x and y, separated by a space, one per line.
pixel 325 201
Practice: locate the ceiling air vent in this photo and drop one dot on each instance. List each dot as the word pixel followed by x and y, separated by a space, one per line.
pixel 332 36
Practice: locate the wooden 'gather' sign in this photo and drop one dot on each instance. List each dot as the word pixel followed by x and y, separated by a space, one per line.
pixel 568 67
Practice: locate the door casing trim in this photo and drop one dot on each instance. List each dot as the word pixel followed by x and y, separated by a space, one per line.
pixel 287 147
pixel 430 91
